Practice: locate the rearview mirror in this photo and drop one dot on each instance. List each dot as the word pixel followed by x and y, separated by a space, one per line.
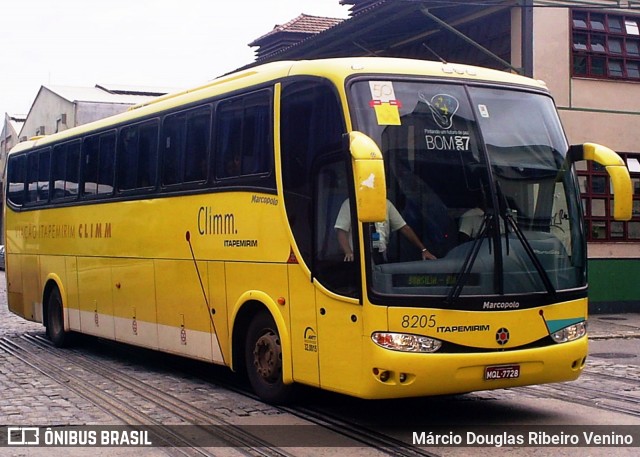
pixel 368 173
pixel 618 173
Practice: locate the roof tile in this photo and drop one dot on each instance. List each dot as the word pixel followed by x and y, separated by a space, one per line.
pixel 303 24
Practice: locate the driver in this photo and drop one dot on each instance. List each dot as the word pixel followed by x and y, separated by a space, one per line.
pixel 393 222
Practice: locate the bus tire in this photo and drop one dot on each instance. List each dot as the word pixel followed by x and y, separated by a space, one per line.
pixel 263 360
pixel 55 320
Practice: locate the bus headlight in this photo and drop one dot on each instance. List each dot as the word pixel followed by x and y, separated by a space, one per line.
pixel 570 333
pixel 406 342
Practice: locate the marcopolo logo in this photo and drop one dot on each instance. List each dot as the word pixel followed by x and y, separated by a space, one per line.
pixel 501 305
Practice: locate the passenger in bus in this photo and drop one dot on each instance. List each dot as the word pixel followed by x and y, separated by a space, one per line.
pixel 470 224
pixel 393 222
pixel 233 166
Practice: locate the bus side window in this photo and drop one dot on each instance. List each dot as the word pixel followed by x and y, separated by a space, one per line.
pixel 32 177
pixel 256 129
pixel 243 136
pixel 44 168
pixel 17 175
pixel 185 143
pixel 137 156
pixel 90 156
pixel 97 164
pixel 147 155
pixel 72 170
pixel 196 159
pixel 228 145
pixel 173 130
pixel 127 158
pixel 106 170
pixel 58 171
pixel 64 170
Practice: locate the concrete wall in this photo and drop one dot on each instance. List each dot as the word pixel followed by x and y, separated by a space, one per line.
pixel 92 111
pixel 552 51
pixel 605 112
pixel 46 111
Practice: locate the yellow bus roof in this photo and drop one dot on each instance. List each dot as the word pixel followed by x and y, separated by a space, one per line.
pixel 337 70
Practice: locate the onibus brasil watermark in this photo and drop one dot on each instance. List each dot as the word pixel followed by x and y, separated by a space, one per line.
pixel 81 436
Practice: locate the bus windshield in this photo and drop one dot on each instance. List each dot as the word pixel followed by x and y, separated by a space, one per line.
pixel 480 175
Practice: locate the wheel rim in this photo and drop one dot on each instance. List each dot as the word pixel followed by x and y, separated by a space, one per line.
pixel 267 357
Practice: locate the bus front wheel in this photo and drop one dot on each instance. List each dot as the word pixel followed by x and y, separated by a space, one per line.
pixel 55 321
pixel 263 360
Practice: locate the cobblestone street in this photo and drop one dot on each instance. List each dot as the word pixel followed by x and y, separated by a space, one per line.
pixel 31 396
pixel 34 394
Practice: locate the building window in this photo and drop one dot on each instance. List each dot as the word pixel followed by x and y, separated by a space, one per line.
pixel 615 24
pixel 597 201
pixel 605 46
pixel 631 27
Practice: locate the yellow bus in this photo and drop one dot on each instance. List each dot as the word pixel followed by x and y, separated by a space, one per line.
pixel 378 227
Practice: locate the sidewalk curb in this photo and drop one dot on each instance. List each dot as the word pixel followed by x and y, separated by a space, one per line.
pixel 613 326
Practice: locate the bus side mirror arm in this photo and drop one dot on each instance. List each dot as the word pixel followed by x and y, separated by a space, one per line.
pixel 369 179
pixel 618 174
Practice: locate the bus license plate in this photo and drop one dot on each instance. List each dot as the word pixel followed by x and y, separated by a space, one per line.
pixel 502 372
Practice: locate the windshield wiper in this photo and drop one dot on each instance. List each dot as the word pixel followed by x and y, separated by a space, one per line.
pixel 509 221
pixel 503 210
pixel 469 260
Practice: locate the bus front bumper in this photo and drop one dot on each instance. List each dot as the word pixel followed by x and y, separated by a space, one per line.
pixel 392 374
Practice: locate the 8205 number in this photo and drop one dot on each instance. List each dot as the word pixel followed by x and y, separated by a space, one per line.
pixel 418 321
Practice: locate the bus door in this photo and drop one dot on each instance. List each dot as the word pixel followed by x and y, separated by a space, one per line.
pixel 335 269
pixel 325 310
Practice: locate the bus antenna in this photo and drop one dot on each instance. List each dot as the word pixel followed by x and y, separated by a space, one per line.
pixel 204 293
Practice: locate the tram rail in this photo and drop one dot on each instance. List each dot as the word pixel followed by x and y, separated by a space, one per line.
pixel 117 387
pixel 36 351
pixel 46 359
pixel 615 399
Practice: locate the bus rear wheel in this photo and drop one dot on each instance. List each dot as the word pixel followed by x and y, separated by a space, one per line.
pixel 263 360
pixel 55 320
